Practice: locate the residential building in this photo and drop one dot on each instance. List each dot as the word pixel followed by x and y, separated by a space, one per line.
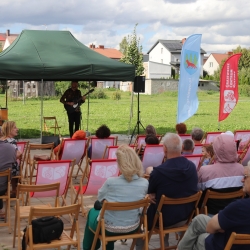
pixel 9 38
pixel 213 62
pixel 168 52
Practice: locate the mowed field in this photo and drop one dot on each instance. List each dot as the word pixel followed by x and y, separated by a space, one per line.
pixel 159 110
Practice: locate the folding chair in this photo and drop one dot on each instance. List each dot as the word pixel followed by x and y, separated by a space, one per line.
pixel 153 156
pixel 228 197
pixel 100 170
pixel 73 238
pixel 210 136
pixel 23 209
pixel 98 146
pixel 185 136
pixel 140 141
pixel 23 148
pixel 49 172
pixel 196 159
pixel 110 152
pixel 73 149
pixel 122 206
pixel 244 156
pixel 6 197
pixel 159 217
pixel 237 239
pixel 34 152
pixel 198 149
pixel 51 123
pixel 243 136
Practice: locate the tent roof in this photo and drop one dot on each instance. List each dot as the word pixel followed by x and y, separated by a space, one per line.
pixel 58 55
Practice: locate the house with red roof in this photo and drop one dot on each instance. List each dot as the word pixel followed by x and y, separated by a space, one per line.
pixel 108 52
pixel 9 39
pixel 214 60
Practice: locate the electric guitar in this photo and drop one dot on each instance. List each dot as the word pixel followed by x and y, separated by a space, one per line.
pixel 77 103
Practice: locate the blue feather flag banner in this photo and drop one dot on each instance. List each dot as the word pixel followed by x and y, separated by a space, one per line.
pixel 189 78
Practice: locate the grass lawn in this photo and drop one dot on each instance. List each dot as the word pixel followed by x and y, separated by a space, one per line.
pixel 159 110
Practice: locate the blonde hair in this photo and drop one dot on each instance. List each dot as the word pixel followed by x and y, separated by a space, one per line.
pixel 128 162
pixel 7 127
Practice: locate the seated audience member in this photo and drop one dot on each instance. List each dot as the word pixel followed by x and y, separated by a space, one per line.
pixel 209 233
pixel 208 153
pixel 151 140
pixel 78 135
pixel 224 175
pixel 150 130
pixel 181 128
pixel 187 147
pixel 175 178
pixel 9 132
pixel 119 189
pixel 7 161
pixel 197 135
pixel 102 132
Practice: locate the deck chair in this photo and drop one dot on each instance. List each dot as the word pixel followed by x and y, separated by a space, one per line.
pixel 244 156
pixel 237 239
pixel 110 151
pixel 44 151
pixel 67 239
pixel 153 156
pixel 140 141
pixel 210 137
pixel 196 159
pixel 185 136
pixel 49 172
pixel 100 170
pixel 99 145
pixel 23 148
pixel 22 210
pixel 243 136
pixel 159 217
pixel 198 149
pixel 6 197
pixel 220 196
pixel 51 123
pixel 73 149
pixel 122 206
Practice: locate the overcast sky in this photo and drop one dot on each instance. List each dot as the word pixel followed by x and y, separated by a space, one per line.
pixel 224 24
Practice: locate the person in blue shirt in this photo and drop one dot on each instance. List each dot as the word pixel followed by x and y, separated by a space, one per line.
pixel 206 233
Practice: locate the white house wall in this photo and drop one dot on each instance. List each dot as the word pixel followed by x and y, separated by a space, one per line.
pixel 158 70
pixel 160 54
pixel 211 65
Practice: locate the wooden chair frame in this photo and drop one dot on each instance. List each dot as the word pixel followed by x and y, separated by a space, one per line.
pixel 23 160
pixel 159 217
pixel 55 126
pixel 238 239
pixel 6 197
pixel 122 206
pixel 219 196
pixel 23 209
pixel 73 238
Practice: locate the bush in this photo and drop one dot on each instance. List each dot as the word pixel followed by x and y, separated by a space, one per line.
pixel 98 94
pixel 117 95
pixel 244 90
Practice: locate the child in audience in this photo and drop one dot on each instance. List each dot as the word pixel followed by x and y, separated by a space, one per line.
pixel 151 139
pixel 208 152
pixel 150 129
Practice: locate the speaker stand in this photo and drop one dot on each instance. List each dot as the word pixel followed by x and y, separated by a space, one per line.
pixel 138 123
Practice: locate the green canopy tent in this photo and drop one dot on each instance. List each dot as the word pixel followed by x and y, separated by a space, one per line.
pixel 40 55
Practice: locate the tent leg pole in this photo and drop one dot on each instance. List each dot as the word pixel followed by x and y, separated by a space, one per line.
pixel 41 119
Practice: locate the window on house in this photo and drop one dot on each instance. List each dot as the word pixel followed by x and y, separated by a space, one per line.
pixel 211 64
pixel 161 50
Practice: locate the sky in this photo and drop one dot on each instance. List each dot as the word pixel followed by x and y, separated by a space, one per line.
pixel 224 24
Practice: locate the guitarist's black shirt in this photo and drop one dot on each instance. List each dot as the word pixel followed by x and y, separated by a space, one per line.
pixel 71 96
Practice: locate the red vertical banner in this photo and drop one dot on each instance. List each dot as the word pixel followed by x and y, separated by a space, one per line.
pixel 229 86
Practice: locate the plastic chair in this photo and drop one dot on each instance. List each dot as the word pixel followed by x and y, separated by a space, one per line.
pixel 243 136
pixel 159 217
pixel 122 206
pixel 66 239
pixel 100 170
pixel 98 146
pixel 220 196
pixel 53 125
pixel 185 136
pixel 210 136
pixel 6 197
pixel 49 172
pixel 196 159
pixel 237 239
pixel 153 156
pixel 73 149
pixel 23 209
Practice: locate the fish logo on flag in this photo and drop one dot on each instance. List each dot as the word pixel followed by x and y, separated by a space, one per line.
pixel 189 78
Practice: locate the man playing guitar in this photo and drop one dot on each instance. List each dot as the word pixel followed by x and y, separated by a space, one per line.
pixel 70 98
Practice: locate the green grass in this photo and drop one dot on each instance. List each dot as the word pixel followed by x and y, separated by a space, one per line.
pixel 158 110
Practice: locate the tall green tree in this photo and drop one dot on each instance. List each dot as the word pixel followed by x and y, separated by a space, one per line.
pixel 133 53
pixel 123 45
